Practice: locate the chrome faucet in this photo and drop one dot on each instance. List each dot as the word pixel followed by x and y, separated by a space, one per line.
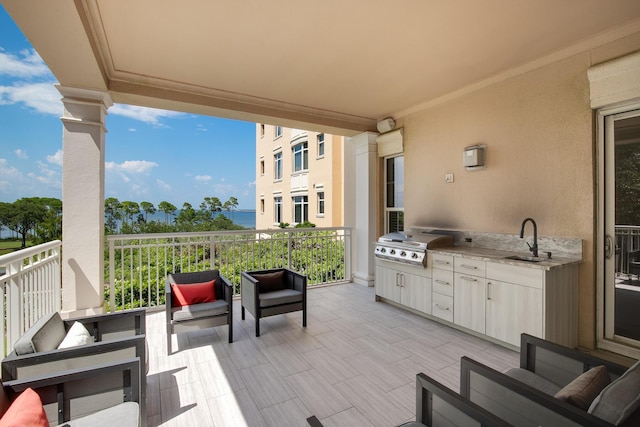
pixel 533 248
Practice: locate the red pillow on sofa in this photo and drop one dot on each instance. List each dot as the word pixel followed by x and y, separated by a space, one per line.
pixel 26 410
pixel 193 293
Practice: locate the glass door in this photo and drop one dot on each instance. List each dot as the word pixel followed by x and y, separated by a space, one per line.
pixel 619 328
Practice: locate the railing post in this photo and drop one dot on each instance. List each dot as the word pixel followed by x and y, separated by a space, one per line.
pixel 16 312
pixel 112 275
pixel 289 245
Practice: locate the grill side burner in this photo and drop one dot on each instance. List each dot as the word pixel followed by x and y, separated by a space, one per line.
pixel 410 247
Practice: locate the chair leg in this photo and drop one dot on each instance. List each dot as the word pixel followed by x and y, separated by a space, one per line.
pixel 242 311
pixel 168 341
pixel 230 329
pixel 304 318
pixel 257 326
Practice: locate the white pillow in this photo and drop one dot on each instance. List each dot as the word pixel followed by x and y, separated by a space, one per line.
pixel 77 335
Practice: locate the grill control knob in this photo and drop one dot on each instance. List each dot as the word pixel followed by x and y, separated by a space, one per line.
pixel 383 250
pixel 403 253
pixel 414 256
pixel 392 251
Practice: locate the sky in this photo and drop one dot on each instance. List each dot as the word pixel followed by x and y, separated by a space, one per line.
pixel 151 155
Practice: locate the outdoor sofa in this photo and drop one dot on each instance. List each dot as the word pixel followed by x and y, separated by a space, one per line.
pixel 555 386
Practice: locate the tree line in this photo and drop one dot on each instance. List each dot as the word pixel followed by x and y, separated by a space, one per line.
pixel 33 218
pixel 129 217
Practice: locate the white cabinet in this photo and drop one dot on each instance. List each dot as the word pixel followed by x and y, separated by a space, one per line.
pixel 469 286
pixel 442 289
pixel 404 284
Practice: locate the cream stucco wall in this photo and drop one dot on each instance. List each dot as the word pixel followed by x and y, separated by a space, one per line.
pixel 540 135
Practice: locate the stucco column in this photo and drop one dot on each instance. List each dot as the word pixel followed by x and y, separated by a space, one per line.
pixel 83 142
pixel 366 158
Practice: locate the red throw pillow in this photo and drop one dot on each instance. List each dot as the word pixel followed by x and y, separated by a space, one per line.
pixel 193 293
pixel 26 410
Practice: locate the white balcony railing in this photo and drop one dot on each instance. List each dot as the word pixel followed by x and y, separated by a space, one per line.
pixel 138 263
pixel 627 247
pixel 31 283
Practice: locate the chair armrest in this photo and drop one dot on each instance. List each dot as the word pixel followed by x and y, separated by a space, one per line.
pixel 249 292
pixel 89 390
pixel 228 289
pixel 437 404
pixel 81 357
pixel 298 280
pixel 517 402
pixel 558 363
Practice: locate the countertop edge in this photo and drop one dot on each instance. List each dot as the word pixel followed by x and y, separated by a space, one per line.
pixel 492 255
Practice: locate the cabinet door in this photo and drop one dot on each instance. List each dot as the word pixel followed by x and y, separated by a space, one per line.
pixel 469 293
pixel 388 283
pixel 511 310
pixel 415 292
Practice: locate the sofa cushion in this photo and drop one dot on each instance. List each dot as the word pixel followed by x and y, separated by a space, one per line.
pixel 619 399
pixel 284 296
pixel 581 391
pixel 45 335
pixel 126 414
pixel 269 282
pixel 77 335
pixel 196 311
pixel 26 410
pixel 193 293
pixel 534 380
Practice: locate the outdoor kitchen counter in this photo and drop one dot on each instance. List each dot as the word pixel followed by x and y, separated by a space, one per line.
pixel 484 254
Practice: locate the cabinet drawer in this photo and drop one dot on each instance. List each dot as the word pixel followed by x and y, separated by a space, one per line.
pixel 442 307
pixel 443 281
pixel 443 261
pixel 525 276
pixel 469 266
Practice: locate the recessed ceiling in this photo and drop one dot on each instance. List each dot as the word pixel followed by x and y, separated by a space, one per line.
pixel 332 63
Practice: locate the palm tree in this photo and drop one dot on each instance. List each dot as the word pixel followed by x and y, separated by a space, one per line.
pixel 148 209
pixel 168 209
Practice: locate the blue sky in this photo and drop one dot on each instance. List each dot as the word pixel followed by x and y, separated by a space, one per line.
pixel 151 155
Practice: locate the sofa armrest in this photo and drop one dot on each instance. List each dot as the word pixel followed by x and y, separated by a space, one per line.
pixel 79 392
pixel 515 401
pixel 113 325
pixel 560 364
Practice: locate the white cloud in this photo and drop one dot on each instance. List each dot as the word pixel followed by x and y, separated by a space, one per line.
pixel 151 116
pixel 163 185
pixel 203 178
pixel 56 159
pixel 252 184
pixel 132 129
pixel 42 97
pixel 28 65
pixel 131 166
pixel 21 154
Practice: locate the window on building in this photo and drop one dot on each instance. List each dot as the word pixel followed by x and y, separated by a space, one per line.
pixel 277 166
pixel 394 194
pixel 300 157
pixel 300 209
pixel 261 206
pixel 321 145
pixel 261 130
pixel 261 166
pixel 277 209
pixel 321 203
pixel 278 131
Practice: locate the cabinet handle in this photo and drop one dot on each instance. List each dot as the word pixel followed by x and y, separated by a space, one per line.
pixel 468 279
pixel 489 290
pixel 442 282
pixel 473 267
pixel 439 261
pixel 441 307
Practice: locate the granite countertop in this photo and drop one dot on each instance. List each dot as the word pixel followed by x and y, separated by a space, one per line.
pixel 485 254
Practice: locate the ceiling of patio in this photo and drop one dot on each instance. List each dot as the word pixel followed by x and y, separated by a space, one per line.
pixel 337 65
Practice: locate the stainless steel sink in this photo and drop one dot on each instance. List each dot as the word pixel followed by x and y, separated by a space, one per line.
pixel 526 258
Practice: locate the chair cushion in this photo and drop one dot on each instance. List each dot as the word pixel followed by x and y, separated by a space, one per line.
pixel 77 335
pixel 126 414
pixel 26 410
pixel 197 311
pixel 534 380
pixel 46 334
pixel 581 391
pixel 193 293
pixel 269 282
pixel 619 399
pixel 284 296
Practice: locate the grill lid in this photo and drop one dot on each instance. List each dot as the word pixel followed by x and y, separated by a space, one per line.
pixel 411 246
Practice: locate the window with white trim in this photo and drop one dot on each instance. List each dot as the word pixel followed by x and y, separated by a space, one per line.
pixel 277 210
pixel 300 209
pixel 277 166
pixel 300 157
pixel 262 206
pixel 320 139
pixel 394 194
pixel 277 132
pixel 320 202
pixel 261 166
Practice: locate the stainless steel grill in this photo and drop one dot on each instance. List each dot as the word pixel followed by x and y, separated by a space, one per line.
pixel 410 247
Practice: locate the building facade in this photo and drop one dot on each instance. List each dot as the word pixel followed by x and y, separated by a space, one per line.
pixel 299 177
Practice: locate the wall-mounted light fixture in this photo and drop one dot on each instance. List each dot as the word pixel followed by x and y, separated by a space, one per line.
pixel 473 157
pixel 385 125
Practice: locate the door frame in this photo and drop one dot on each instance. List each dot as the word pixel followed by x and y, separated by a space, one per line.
pixel 604 289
